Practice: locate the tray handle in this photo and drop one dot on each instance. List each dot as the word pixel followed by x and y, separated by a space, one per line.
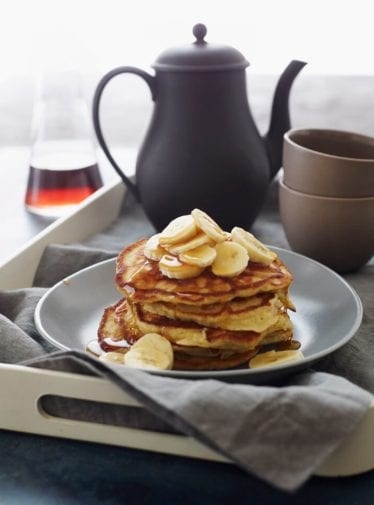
pixel 21 389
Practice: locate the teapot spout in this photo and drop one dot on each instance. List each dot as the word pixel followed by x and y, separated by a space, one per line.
pixel 280 116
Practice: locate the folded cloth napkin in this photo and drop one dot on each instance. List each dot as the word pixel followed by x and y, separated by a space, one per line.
pixel 280 434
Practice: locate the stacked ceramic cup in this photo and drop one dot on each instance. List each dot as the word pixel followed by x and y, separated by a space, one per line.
pixel 327 196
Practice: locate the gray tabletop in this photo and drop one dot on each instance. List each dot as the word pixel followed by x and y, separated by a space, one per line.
pixel 47 471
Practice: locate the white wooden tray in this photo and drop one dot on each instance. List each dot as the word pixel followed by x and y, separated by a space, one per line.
pixel 23 388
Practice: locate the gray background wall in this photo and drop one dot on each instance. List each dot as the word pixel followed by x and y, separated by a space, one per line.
pixel 332 101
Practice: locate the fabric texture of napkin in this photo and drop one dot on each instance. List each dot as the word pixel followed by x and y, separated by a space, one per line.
pixel 279 433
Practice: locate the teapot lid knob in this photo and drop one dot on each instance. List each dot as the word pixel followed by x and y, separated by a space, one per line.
pixel 200 56
pixel 199 32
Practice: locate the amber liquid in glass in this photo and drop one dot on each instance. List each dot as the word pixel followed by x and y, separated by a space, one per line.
pixel 54 187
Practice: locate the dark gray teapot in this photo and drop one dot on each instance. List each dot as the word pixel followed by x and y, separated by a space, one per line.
pixel 202 148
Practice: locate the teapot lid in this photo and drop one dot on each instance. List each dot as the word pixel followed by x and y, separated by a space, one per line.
pixel 200 56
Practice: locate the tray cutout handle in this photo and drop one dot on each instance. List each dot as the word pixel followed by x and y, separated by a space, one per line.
pixel 22 387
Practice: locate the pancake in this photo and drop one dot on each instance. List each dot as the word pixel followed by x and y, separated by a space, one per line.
pixel 256 313
pixel 114 336
pixel 186 362
pixel 219 298
pixel 140 280
pixel 131 322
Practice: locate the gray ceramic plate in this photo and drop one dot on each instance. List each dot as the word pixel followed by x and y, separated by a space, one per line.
pixel 329 313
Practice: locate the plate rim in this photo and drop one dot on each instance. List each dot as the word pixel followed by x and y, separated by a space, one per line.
pixel 220 374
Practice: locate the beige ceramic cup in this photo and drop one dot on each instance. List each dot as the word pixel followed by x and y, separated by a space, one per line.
pixel 329 163
pixel 338 232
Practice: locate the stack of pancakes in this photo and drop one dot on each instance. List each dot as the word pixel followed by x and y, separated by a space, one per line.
pixel 213 322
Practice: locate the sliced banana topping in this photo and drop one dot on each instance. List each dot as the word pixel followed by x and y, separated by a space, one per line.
pixel 257 251
pixel 152 249
pixel 208 226
pixel 231 259
pixel 202 256
pixel 196 241
pixel 179 230
pixel 151 352
pixel 113 357
pixel 173 268
pixel 274 358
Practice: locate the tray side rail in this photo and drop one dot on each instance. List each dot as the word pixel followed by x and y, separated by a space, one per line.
pixel 95 213
pixel 22 388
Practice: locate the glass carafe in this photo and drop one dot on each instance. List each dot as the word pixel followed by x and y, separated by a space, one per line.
pixel 63 164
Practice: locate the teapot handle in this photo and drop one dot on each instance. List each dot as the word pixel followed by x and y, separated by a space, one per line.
pixel 150 80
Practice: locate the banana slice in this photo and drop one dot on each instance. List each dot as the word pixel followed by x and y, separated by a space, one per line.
pixel 113 357
pixel 196 241
pixel 180 229
pixel 151 352
pixel 208 226
pixel 256 249
pixel 231 259
pixel 173 268
pixel 274 358
pixel 152 249
pixel 202 256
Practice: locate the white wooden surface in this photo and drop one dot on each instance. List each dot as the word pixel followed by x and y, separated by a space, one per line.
pixel 21 387
pixel 93 215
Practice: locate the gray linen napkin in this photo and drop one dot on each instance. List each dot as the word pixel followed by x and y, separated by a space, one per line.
pixel 19 339
pixel 281 434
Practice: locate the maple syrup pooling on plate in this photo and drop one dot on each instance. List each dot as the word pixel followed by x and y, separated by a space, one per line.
pixel 60 180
